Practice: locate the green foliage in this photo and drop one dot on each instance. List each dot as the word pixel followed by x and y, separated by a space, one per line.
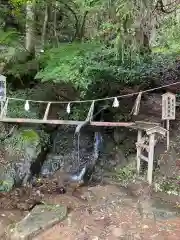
pixel 125 174
pixel 9 37
pixel 79 112
pixel 87 65
pixel 67 64
pixel 16 109
pixel 170 186
pixel 92 67
pixel 168 34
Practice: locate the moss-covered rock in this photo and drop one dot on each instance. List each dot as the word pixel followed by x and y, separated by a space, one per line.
pixel 41 217
pixel 21 150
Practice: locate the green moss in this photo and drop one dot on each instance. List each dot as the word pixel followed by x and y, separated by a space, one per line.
pixel 22 141
pixel 30 136
pixel 6 185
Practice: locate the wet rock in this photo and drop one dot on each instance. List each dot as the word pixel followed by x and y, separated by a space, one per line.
pixel 40 218
pixel 119 135
pixel 65 152
pixel 52 164
pixel 21 150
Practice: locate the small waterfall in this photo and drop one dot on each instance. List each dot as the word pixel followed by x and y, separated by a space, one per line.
pixel 86 167
pixel 97 145
pixel 75 152
pixel 76 158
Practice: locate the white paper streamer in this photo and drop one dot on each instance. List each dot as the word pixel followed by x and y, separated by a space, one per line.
pixel 116 102
pixel 26 106
pixel 68 110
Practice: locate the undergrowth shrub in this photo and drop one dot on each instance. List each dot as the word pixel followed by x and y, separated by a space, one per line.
pixel 90 66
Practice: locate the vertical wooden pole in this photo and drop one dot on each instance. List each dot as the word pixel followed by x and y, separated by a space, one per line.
pixel 47 111
pixel 4 109
pixel 2 106
pixel 139 137
pixel 150 157
pixel 168 141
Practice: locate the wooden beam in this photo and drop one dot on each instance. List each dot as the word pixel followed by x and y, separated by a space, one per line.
pixel 156 129
pixel 144 146
pixel 66 122
pixel 113 124
pixel 40 121
pixel 143 158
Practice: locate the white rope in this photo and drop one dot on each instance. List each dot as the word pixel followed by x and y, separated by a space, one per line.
pixel 98 99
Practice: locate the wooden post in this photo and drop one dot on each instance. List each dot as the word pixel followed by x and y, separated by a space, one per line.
pixel 167 126
pixel 47 111
pixel 2 104
pixel 150 157
pixel 90 113
pixel 4 110
pixel 139 136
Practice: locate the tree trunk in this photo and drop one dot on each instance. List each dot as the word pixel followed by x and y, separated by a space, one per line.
pixel 30 27
pixel 81 27
pixel 55 23
pixel 43 37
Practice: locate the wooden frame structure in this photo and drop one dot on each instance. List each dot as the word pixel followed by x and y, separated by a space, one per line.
pixel 147 142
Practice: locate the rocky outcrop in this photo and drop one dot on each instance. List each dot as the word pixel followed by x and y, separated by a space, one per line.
pixel 21 150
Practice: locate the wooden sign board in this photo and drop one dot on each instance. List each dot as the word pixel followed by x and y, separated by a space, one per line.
pixel 168 106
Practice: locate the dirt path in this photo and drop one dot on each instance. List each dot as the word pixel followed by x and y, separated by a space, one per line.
pixel 107 213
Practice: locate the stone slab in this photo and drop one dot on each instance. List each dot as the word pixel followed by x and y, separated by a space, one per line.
pixel 40 218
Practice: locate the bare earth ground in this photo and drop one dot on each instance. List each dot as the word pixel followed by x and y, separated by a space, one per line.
pixel 110 214
pixel 105 213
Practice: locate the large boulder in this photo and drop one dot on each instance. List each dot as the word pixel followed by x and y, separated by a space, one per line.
pixel 21 150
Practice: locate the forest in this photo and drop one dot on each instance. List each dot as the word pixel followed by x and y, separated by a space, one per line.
pixel 66 54
pixel 91 46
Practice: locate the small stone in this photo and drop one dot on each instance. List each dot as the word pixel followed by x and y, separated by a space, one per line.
pixel 137 236
pixel 145 227
pixel 95 238
pixel 117 232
